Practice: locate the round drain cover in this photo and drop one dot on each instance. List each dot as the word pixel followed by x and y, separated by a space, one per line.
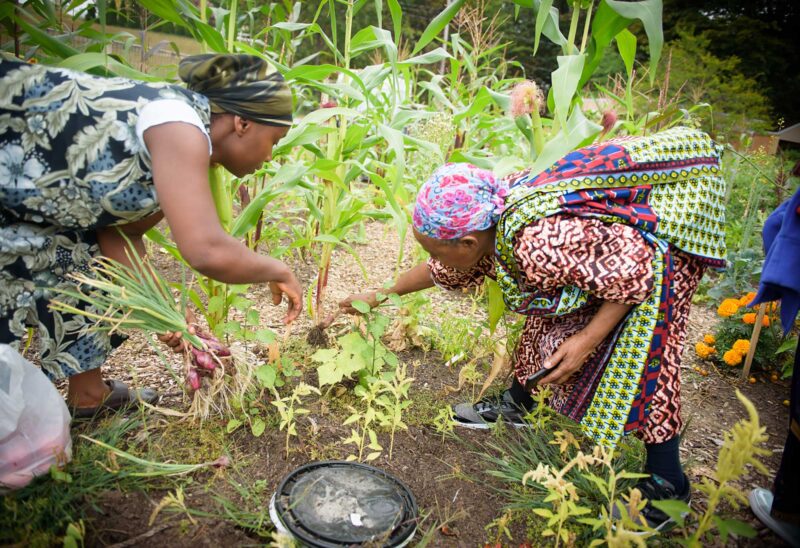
pixel 338 503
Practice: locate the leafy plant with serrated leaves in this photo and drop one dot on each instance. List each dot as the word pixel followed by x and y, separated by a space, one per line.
pixel 444 422
pixel 360 354
pixel 289 408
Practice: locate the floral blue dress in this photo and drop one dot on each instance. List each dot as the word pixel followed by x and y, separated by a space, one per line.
pixel 70 163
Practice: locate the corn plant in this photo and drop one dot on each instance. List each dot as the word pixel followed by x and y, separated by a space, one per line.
pixel 362 134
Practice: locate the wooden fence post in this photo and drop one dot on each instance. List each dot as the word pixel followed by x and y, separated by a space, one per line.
pixel 762 308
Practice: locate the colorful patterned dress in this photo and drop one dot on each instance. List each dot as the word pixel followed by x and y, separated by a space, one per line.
pixel 633 221
pixel 70 163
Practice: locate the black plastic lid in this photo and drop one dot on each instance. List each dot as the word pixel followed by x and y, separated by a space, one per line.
pixel 329 504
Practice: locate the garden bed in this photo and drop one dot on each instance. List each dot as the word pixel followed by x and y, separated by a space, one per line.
pixel 460 502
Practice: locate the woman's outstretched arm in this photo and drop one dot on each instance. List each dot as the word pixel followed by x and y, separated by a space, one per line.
pixel 415 279
pixel 180 161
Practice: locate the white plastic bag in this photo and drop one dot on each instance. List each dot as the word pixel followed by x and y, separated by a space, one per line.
pixel 34 422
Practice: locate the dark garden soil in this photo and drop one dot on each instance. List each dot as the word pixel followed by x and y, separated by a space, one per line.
pixel 448 480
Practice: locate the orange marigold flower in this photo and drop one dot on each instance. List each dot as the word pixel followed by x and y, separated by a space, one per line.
pixel 703 350
pixel 747 299
pixel 728 308
pixel 773 306
pixel 749 318
pixel 732 358
pixel 742 346
pixel 765 321
pixel 709 339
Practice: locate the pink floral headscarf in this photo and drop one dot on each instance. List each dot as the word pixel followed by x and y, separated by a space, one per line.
pixel 458 199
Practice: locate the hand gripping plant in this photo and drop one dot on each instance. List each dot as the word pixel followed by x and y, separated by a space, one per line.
pixel 121 298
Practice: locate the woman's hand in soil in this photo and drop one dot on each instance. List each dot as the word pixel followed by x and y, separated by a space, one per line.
pixel 369 297
pixel 569 357
pixel 289 287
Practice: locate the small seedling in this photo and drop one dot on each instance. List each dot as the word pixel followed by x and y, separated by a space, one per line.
pixel 394 400
pixel 365 420
pixel 444 422
pixel 289 407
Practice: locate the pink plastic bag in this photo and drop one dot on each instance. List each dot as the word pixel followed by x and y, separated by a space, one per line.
pixel 34 422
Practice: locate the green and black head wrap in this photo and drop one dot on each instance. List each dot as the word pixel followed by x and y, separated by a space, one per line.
pixel 240 84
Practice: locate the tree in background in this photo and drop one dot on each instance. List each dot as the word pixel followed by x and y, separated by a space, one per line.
pixel 762 35
pixel 696 75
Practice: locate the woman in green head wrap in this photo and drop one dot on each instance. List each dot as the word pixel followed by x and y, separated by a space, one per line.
pixel 86 162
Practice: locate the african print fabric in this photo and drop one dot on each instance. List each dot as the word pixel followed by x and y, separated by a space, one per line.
pixel 70 162
pixel 666 186
pixel 610 261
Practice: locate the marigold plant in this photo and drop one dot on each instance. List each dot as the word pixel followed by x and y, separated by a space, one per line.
pixel 704 351
pixel 732 357
pixel 742 346
pixel 747 299
pixel 728 308
pixel 730 343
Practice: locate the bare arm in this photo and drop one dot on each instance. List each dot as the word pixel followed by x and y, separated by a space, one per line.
pixel 111 239
pixel 573 352
pixel 180 160
pixel 415 279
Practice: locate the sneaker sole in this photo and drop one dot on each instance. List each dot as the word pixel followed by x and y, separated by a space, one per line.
pixel 486 425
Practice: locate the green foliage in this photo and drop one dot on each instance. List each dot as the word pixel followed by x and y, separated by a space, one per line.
pixel 358 354
pixel 458 338
pixel 757 183
pixel 551 471
pixel 289 409
pixel 50 510
pixel 75 534
pixel 444 422
pixel 394 400
pixel 753 32
pixel 698 76
pixel 741 449
pixel 364 435
pixel 574 488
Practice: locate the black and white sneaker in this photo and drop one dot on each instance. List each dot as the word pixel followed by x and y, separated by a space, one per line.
pixel 654 487
pixel 485 413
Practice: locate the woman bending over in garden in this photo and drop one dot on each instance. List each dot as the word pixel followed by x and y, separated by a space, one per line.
pixel 86 162
pixel 602 252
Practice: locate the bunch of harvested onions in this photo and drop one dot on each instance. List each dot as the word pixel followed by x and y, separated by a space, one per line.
pixel 123 298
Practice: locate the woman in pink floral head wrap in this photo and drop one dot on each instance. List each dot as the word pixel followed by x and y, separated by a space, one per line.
pixel 603 260
pixel 458 199
pixel 455 214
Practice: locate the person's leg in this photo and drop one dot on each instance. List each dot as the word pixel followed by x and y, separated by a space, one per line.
pixel 786 489
pixel 663 460
pixel 780 509
pixel 661 432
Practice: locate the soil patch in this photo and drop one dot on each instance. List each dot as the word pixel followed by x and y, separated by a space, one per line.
pixel 448 481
